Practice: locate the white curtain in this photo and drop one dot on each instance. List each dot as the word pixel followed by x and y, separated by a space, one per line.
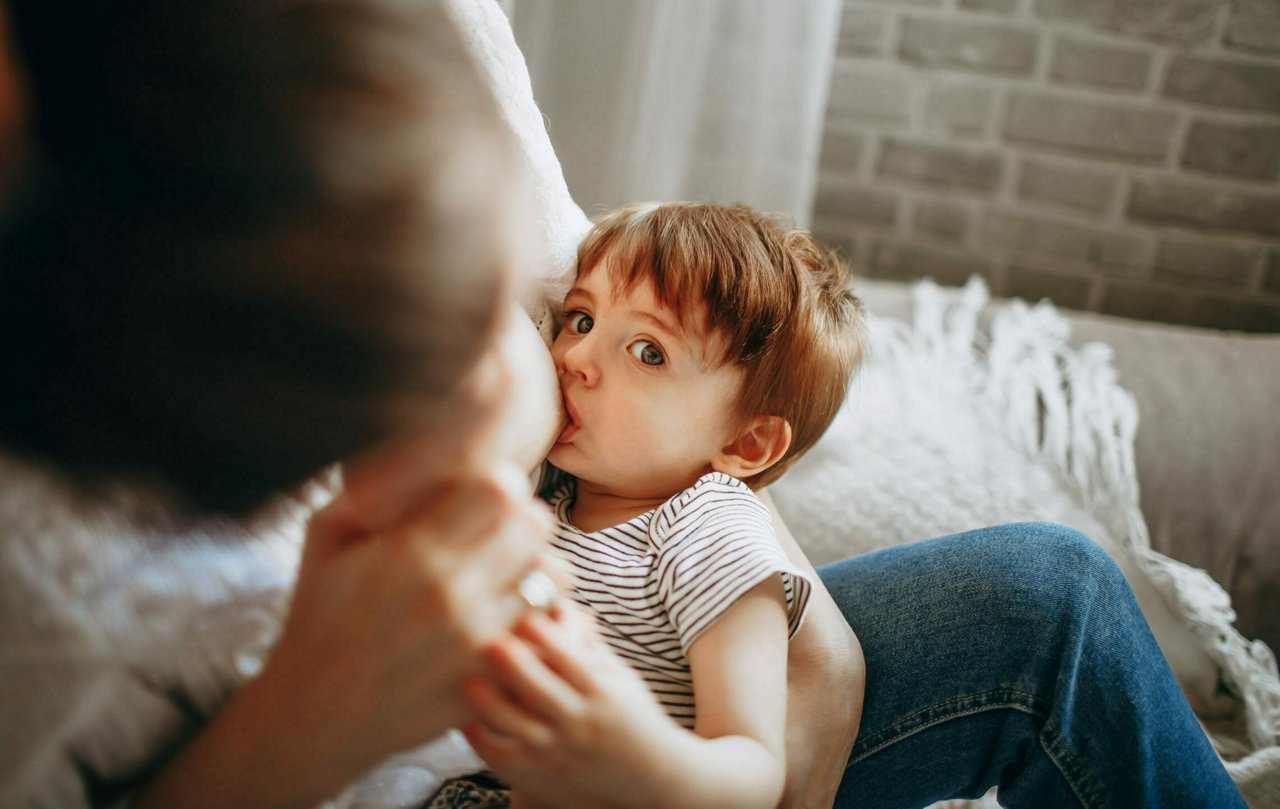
pixel 683 99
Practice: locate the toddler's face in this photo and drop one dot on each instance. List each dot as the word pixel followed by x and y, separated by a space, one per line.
pixel 649 405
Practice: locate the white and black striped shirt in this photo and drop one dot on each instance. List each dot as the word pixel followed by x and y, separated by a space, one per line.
pixel 657 582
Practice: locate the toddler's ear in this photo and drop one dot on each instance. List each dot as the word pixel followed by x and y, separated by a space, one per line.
pixel 760 444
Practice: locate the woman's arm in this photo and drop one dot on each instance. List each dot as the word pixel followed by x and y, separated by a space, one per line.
pixel 382 629
pixel 822 720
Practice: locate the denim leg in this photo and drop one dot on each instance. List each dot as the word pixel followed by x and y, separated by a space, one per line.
pixel 1015 656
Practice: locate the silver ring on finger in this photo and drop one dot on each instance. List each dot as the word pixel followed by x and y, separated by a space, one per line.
pixel 537 590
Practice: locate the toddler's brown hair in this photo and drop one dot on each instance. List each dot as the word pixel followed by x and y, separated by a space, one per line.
pixel 780 302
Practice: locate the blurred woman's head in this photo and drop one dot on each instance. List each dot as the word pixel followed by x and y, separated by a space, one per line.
pixel 258 236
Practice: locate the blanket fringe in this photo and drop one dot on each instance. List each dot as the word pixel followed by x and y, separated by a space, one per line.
pixel 1065 406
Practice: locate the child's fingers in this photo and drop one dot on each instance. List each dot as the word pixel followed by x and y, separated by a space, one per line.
pixel 504 716
pixel 563 640
pixel 521 671
pixel 498 751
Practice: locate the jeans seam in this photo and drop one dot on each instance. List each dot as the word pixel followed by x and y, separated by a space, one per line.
pixel 1076 776
pixel 947 710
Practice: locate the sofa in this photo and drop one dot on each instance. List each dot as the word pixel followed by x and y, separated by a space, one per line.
pixel 1155 441
pixel 1159 442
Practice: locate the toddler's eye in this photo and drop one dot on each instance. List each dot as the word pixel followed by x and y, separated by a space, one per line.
pixel 580 323
pixel 647 353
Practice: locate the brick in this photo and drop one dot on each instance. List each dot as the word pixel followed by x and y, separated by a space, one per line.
pixel 1272 281
pixel 1033 283
pixel 1254 25
pixel 855 204
pixel 990 6
pixel 1184 22
pixel 981 46
pixel 1112 130
pixel 1022 233
pixel 1080 61
pixel 1147 301
pixel 905 262
pixel 861 95
pixel 1200 261
pixel 1176 202
pixel 960 109
pixel 841 151
pixel 942 221
pixel 1224 83
pixel 1239 150
pixel 863 31
pixel 1068 185
pixel 938 166
pixel 833 237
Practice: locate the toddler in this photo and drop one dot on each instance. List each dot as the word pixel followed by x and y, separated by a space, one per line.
pixel 703 349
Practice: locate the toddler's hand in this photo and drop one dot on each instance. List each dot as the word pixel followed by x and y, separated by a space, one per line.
pixel 563 719
pixel 383 628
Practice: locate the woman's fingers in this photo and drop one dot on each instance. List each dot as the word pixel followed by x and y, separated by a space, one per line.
pixel 460 510
pixel 404 612
pixel 468 549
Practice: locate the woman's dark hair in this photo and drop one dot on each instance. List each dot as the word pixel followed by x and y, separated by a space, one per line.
pixel 252 233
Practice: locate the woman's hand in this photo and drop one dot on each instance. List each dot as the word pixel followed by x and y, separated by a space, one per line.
pixel 382 629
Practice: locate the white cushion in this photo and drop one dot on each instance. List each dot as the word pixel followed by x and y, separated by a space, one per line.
pixel 953 424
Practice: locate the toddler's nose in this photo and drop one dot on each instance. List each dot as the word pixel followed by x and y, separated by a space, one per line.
pixel 578 360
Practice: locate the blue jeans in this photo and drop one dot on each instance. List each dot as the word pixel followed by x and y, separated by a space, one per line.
pixel 1015 657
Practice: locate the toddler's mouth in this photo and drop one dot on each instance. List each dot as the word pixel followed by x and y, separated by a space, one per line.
pixel 573 423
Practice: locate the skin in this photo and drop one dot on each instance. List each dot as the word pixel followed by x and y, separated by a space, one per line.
pixel 650 409
pixel 570 724
pixel 562 718
pixel 267 745
pixel 533 411
pixel 822 721
pixel 405 579
pixel 415 538
pixel 313 698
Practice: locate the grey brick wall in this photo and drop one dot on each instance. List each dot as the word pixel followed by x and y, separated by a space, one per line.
pixel 1120 156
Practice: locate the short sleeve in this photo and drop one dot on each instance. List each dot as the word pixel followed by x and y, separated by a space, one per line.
pixel 714 543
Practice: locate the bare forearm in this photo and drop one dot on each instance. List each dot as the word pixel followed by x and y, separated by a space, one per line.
pixel 824 652
pixel 696 773
pixel 250 756
pixel 826 677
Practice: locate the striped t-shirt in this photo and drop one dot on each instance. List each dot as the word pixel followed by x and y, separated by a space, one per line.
pixel 656 582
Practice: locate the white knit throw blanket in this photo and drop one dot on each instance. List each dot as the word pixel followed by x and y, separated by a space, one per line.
pixel 955 423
